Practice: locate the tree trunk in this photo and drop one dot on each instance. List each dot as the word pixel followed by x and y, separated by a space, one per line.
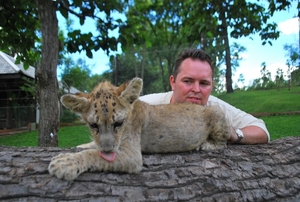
pixel 267 172
pixel 228 73
pixel 162 71
pixel 46 75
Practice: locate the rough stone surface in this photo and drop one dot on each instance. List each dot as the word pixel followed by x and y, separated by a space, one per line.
pixel 239 173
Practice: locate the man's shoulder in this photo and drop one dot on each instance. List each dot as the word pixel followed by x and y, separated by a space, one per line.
pixel 212 100
pixel 226 107
pixel 157 98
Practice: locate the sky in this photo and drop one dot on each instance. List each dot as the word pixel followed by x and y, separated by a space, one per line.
pixel 273 56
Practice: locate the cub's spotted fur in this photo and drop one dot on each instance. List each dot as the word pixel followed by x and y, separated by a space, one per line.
pixel 123 127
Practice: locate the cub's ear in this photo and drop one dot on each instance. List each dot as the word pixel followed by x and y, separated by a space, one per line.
pixel 77 103
pixel 132 90
pixel 122 87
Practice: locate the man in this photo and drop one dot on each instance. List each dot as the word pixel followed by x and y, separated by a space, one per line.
pixel 192 81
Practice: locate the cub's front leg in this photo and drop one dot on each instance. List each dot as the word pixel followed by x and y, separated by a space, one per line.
pixel 69 166
pixel 219 129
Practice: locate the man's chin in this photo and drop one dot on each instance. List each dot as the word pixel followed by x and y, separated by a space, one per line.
pixel 197 102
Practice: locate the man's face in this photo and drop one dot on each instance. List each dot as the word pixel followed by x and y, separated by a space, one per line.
pixel 193 84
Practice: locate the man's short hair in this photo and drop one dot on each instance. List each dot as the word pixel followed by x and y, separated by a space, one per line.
pixel 195 54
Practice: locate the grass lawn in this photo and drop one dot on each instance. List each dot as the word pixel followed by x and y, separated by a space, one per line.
pixel 283 126
pixel 69 136
pixel 282 100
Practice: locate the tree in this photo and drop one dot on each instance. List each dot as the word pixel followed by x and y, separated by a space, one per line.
pixel 236 49
pixel 76 74
pixel 19 30
pixel 292 61
pixel 131 64
pixel 279 80
pixel 95 79
pixel 241 79
pixel 20 34
pixel 242 18
pixel 154 25
pixel 265 75
pixel 46 75
pixel 165 28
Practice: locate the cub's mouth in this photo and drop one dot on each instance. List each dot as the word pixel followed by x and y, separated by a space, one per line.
pixel 108 156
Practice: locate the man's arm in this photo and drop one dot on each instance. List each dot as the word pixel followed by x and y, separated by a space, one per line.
pixel 252 135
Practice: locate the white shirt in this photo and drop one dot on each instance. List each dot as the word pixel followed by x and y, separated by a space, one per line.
pixel 238 119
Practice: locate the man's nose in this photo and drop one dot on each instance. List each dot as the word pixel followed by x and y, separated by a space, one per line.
pixel 196 87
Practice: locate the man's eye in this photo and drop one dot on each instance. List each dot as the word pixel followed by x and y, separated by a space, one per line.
pixel 118 124
pixel 94 126
pixel 204 84
pixel 187 81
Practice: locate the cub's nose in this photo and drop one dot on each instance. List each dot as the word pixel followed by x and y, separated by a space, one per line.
pixel 107 144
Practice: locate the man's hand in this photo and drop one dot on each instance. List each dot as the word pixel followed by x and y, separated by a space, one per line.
pixel 252 135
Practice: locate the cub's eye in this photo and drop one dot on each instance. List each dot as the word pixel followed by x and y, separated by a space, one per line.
pixel 118 124
pixel 94 126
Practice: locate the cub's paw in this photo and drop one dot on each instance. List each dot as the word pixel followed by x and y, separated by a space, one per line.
pixel 212 145
pixel 66 166
pixel 207 146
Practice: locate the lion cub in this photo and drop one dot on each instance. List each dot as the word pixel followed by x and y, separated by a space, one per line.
pixel 123 127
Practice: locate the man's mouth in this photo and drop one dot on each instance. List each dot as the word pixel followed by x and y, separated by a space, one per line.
pixel 193 100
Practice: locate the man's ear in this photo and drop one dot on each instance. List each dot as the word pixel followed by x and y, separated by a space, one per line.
pixel 172 81
pixel 77 103
pixel 132 90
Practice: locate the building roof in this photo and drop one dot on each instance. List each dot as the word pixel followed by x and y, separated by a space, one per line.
pixel 68 89
pixel 8 66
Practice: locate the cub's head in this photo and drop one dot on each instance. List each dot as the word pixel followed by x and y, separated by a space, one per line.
pixel 106 110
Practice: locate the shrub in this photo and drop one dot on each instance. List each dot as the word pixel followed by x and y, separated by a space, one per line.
pixel 68 117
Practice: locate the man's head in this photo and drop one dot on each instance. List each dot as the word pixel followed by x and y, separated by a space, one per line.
pixel 192 79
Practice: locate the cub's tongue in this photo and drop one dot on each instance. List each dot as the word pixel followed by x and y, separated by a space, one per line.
pixel 108 156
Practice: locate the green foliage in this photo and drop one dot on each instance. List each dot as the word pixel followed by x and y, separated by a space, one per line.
pixel 19 31
pixel 293 62
pixel 174 25
pixel 236 49
pixel 101 12
pixel 295 75
pixel 78 75
pixel 132 65
pixel 95 79
pixel 75 74
pixel 68 116
pixel 292 53
pixel 279 80
pixel 30 87
pixel 265 81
